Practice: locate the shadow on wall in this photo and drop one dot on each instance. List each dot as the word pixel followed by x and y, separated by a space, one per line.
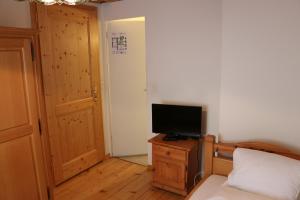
pixel 204 120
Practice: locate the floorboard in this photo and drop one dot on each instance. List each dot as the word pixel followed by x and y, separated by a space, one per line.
pixel 113 179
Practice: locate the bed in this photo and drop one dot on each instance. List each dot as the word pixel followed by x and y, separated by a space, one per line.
pixel 218 164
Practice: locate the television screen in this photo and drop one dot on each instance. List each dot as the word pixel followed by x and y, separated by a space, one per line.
pixel 176 119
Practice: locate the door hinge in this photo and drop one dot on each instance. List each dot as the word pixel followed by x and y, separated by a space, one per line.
pixel 40 126
pixel 48 193
pixel 32 51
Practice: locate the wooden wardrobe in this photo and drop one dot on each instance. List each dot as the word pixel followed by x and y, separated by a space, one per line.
pixel 22 172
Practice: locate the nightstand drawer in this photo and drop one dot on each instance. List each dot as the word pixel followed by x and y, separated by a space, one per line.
pixel 169 153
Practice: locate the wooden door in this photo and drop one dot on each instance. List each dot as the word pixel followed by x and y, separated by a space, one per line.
pixel 70 63
pixel 21 167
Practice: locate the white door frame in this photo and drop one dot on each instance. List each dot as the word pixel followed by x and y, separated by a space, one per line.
pixel 107 86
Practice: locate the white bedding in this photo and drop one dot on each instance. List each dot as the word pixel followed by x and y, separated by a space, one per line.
pixel 215 188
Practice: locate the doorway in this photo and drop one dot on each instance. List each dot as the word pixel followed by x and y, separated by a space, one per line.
pixel 127 85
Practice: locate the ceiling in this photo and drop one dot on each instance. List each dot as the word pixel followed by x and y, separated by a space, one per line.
pixel 104 1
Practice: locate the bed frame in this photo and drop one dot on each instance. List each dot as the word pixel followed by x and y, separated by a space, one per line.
pixel 218 156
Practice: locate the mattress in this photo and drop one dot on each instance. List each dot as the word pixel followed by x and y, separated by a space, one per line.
pixel 215 188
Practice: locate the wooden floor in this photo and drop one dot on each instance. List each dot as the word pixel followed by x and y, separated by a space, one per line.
pixel 114 179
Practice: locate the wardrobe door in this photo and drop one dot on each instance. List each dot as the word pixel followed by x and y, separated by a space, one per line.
pixel 21 171
pixel 70 61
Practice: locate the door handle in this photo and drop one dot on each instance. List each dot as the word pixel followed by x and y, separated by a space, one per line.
pixel 94 94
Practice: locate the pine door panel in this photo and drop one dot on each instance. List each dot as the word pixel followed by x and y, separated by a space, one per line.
pixel 14 102
pixel 70 51
pixel 21 167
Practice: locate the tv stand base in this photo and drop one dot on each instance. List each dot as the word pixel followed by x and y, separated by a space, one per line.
pixel 174 137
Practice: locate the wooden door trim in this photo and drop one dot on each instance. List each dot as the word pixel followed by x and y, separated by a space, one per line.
pixel 13 32
pixel 42 103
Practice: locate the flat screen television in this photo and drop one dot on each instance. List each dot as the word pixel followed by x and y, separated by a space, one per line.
pixel 177 121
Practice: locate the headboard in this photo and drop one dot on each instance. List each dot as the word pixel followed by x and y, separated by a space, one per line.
pixel 218 156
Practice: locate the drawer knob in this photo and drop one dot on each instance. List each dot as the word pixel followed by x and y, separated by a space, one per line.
pixel 168 153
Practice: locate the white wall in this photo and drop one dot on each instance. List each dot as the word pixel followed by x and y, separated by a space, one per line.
pixel 183 43
pixel 260 88
pixel 14 14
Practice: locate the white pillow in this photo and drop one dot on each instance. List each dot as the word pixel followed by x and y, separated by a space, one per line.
pixel 265 173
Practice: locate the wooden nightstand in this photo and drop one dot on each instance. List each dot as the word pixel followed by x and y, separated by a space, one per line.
pixel 175 164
